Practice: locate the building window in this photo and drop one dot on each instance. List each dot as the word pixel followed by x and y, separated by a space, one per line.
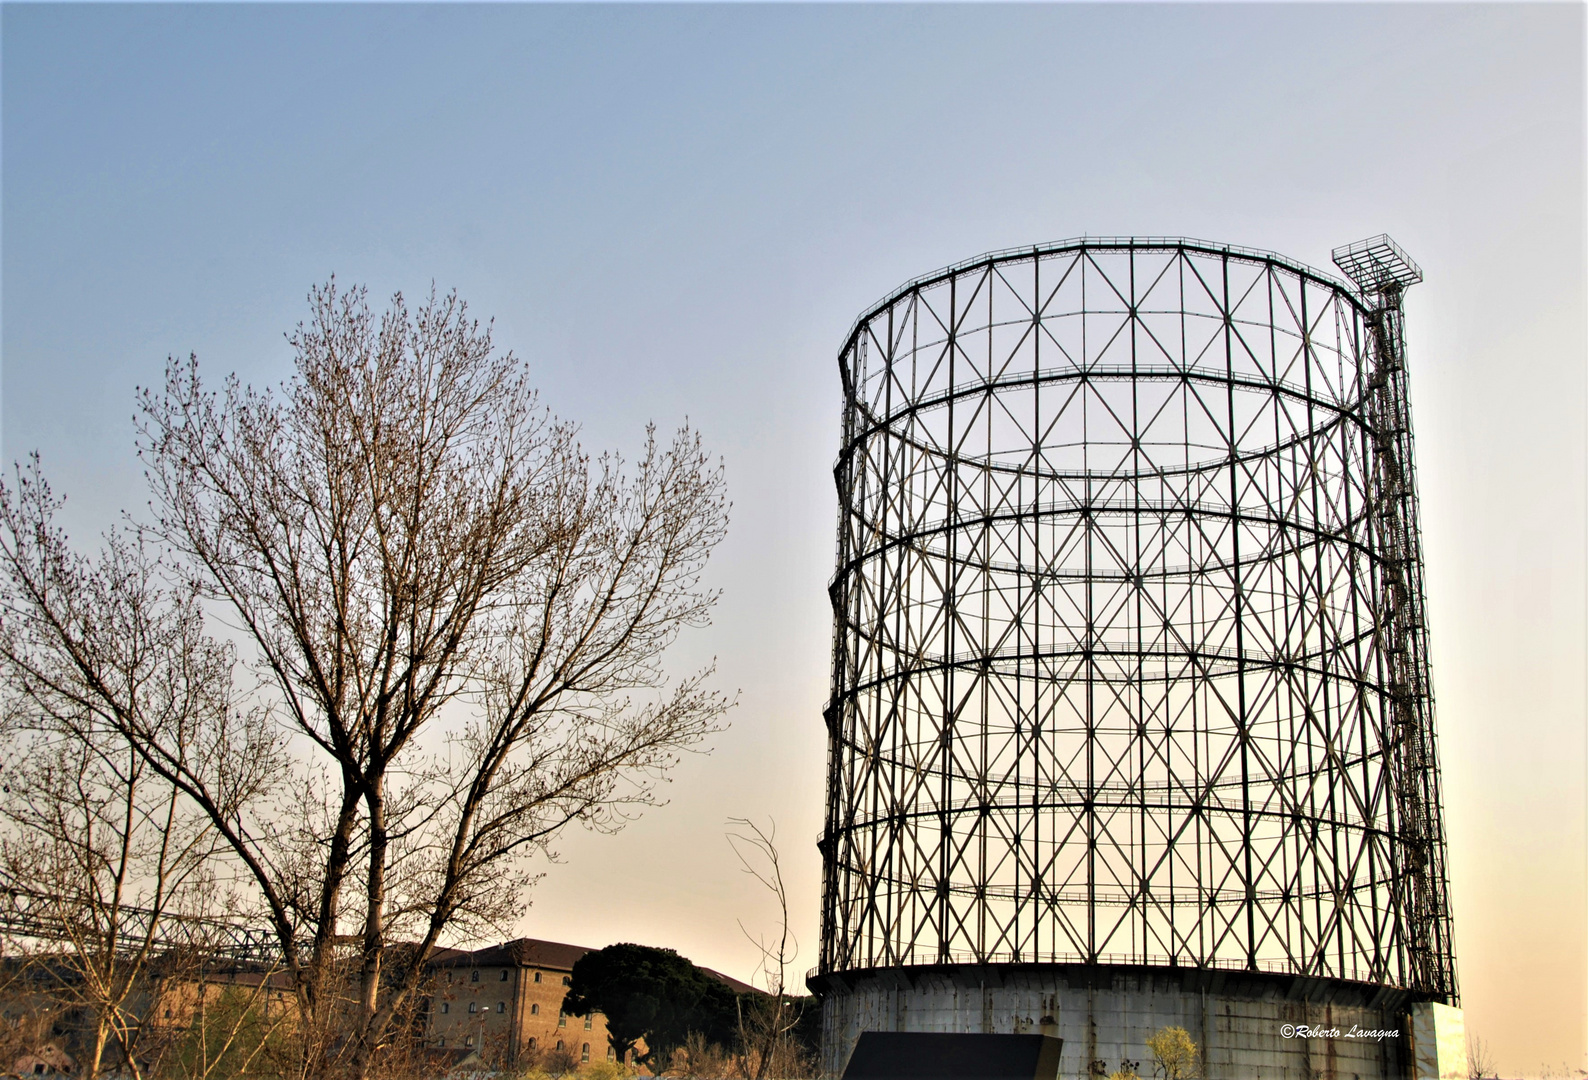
pixel 474 1006
pixel 537 976
pixel 562 1019
pixel 567 981
pixel 468 1040
pixel 584 1055
pixel 534 1010
pixel 441 1041
pixel 611 1054
pixel 449 977
pixel 589 1022
pixel 501 1006
pixel 559 1044
pixel 533 1042
pixel 446 1007
pixel 504 974
pixel 474 976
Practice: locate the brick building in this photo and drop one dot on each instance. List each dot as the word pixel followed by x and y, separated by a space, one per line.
pixel 505 1001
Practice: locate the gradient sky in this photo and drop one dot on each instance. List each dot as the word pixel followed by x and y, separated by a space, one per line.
pixel 677 211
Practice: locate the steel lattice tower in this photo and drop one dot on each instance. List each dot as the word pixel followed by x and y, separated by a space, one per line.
pixel 1130 661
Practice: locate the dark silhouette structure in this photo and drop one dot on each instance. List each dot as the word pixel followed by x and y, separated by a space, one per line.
pixel 921 1055
pixel 1130 679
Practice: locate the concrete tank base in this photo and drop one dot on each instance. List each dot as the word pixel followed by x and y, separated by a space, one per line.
pixel 1105 1014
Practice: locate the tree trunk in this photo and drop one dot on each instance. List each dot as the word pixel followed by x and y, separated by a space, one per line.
pixel 370 1035
pixel 97 1055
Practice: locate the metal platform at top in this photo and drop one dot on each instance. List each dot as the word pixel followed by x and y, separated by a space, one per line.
pixel 1377 262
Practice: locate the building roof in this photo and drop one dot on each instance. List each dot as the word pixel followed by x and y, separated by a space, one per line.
pixel 532 952
pixel 731 983
pixel 521 952
pixel 274 980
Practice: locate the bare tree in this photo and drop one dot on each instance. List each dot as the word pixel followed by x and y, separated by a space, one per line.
pixel 224 1027
pixel 449 608
pixel 99 854
pixel 1480 1059
pixel 103 860
pixel 766 1025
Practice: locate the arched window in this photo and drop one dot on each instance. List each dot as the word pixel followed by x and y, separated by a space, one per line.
pixel 567 981
pixel 589 1022
pixel 534 1010
pixel 562 1019
pixel 446 1006
pixel 537 976
pixel 533 1042
pixel 501 1006
pixel 559 1044
pixel 584 1055
pixel 468 1040
pixel 474 1006
pixel 504 974
pixel 441 1040
pixel 474 976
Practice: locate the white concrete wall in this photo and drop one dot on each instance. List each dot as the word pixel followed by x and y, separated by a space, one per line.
pixel 1240 1025
pixel 1439 1042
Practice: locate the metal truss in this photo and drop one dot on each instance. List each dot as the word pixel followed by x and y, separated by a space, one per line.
pixel 1382 271
pixel 33 916
pixel 1129 659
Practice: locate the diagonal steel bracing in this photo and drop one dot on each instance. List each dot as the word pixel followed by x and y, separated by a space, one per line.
pixel 1129 662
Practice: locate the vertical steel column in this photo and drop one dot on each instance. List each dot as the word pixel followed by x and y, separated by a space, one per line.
pixel 1129 659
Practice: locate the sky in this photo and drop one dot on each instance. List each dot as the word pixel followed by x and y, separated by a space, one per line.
pixel 676 212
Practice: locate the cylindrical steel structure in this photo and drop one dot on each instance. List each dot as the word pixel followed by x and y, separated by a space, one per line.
pixel 1129 665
